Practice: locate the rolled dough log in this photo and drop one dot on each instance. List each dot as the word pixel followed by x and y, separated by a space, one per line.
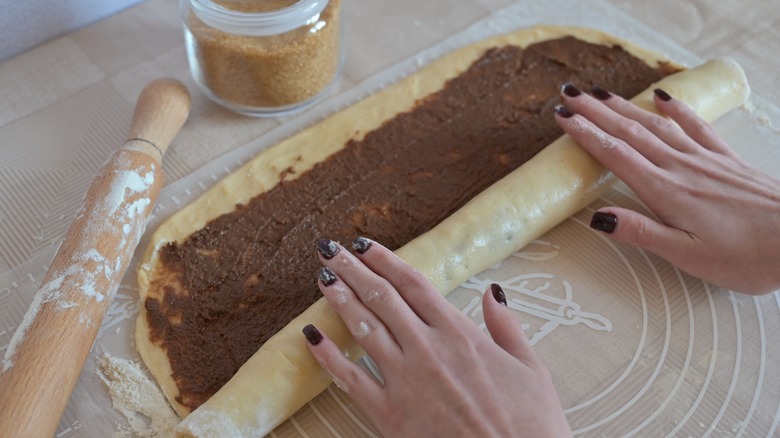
pixel 562 179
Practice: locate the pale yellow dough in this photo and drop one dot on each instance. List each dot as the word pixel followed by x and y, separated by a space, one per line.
pixel 282 376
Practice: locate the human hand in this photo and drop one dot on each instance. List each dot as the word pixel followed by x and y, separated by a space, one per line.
pixel 718 217
pixel 442 375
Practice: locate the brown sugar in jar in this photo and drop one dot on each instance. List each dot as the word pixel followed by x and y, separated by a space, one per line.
pixel 263 57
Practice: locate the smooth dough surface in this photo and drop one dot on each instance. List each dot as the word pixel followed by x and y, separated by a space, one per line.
pixel 282 376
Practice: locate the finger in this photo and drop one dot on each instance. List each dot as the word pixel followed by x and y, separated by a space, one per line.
pixel 365 327
pixel 616 125
pixel 636 229
pixel 617 156
pixel 349 377
pixel 429 305
pixel 375 292
pixel 504 329
pixel 666 130
pixel 693 125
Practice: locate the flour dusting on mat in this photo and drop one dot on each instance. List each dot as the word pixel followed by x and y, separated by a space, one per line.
pixel 137 398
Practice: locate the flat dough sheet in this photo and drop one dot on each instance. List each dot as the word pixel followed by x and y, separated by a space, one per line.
pixel 559 181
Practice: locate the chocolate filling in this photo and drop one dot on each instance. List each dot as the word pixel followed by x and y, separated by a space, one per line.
pixel 237 281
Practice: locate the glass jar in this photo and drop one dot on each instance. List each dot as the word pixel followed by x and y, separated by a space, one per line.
pixel 263 57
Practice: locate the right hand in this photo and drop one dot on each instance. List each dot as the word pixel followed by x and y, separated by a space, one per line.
pixel 718 217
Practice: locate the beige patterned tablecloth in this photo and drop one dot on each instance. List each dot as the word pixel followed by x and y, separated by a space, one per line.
pixel 635 346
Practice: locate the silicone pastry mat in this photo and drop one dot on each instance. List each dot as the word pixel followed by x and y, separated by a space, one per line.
pixel 635 346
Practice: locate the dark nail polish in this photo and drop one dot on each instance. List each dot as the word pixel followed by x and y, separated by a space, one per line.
pixel 327 248
pixel 663 95
pixel 606 222
pixel 327 277
pixel 361 245
pixel 570 90
pixel 312 334
pixel 498 293
pixel 600 93
pixel 563 111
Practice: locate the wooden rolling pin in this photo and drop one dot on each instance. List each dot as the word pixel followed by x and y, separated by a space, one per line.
pixel 46 354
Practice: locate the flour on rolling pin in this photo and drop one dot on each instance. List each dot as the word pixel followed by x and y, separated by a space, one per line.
pixel 125 209
pixel 47 353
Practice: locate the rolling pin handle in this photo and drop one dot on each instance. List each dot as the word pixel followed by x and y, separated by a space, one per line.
pixel 41 367
pixel 162 108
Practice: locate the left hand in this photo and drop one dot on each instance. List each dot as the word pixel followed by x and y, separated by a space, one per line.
pixel 442 375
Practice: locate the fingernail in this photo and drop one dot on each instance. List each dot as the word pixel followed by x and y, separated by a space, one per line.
pixel 312 334
pixel 602 221
pixel 570 90
pixel 327 248
pixel 498 293
pixel 327 277
pixel 361 244
pixel 600 93
pixel 563 111
pixel 663 95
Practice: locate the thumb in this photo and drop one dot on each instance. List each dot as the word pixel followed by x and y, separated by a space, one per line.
pixel 637 229
pixel 503 327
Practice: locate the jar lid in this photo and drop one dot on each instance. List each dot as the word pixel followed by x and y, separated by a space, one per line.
pixel 302 13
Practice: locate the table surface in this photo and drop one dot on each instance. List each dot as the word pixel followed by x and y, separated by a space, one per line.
pixel 66 104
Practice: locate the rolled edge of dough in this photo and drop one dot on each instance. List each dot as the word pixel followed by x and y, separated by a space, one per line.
pixel 559 181
pixel 282 376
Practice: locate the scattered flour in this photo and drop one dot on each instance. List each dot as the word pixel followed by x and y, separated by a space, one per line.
pixel 341 296
pixel 372 295
pixel 340 385
pixel 362 330
pixel 760 115
pixel 137 398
